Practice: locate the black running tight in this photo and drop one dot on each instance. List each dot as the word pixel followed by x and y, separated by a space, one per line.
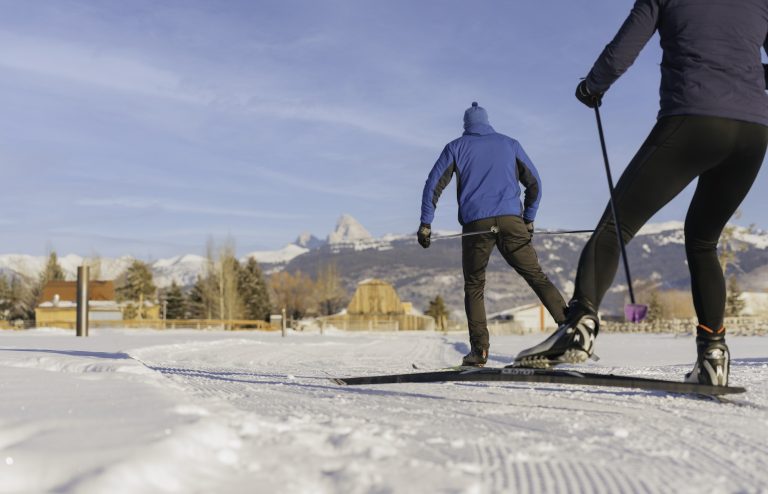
pixel 725 155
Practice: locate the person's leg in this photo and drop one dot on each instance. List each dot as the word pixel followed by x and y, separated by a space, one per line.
pixel 719 192
pixel 675 152
pixel 475 252
pixel 514 243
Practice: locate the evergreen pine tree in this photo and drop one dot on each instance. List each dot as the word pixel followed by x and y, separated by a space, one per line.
pixel 136 285
pixel 196 301
pixel 734 304
pixel 52 271
pixel 175 306
pixel 253 291
pixel 438 310
pixel 655 309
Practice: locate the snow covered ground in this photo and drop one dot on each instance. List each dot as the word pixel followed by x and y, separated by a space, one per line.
pixel 194 411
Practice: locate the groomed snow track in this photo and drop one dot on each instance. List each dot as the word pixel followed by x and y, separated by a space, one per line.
pixel 473 437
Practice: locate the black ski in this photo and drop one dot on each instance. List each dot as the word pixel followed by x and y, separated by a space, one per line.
pixel 521 374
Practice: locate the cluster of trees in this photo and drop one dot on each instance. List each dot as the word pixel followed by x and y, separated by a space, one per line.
pixel 231 290
pixel 227 289
pixel 19 294
pixel 301 295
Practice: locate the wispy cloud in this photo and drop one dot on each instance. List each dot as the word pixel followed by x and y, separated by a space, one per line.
pixel 60 59
pixel 145 203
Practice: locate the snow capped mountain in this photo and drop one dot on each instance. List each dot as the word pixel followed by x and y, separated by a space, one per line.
pixel 309 241
pixel 32 266
pixel 278 256
pixel 348 230
pixel 656 253
pixel 181 269
pixel 656 228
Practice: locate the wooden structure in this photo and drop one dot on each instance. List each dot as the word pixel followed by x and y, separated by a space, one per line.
pixel 67 291
pixel 57 304
pixel 376 306
pixel 215 324
pixel 375 297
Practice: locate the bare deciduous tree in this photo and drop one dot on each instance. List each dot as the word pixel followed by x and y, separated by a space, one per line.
pixel 329 292
pixel 292 292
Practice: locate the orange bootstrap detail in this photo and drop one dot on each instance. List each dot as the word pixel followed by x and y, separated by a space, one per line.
pixel 710 330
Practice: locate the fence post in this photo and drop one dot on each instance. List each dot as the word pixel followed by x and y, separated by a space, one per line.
pixel 284 322
pixel 82 301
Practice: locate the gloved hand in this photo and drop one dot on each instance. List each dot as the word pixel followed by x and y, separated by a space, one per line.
pixel 590 99
pixel 424 235
pixel 529 225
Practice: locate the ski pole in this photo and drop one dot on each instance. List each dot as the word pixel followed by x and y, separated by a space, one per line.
pixel 636 313
pixel 494 229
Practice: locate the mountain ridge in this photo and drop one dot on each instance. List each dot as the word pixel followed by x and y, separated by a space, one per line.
pixel 656 254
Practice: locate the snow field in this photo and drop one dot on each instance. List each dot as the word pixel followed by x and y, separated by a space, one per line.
pixel 196 411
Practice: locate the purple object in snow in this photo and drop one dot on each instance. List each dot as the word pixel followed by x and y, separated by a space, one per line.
pixel 635 312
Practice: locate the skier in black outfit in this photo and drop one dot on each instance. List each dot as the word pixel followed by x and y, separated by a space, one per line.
pixel 489 168
pixel 711 127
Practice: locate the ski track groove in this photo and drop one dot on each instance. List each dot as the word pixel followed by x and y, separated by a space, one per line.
pixel 492 457
pixel 502 468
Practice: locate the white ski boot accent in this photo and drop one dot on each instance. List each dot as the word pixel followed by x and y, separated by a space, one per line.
pixel 570 343
pixel 712 367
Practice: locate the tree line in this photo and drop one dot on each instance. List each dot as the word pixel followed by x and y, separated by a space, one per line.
pixel 227 289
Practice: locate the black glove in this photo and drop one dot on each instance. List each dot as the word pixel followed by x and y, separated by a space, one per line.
pixel 590 99
pixel 529 225
pixel 424 235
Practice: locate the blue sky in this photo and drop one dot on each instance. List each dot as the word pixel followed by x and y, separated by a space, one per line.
pixel 145 127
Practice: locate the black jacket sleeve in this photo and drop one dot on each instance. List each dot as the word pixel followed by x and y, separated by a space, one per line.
pixel 621 53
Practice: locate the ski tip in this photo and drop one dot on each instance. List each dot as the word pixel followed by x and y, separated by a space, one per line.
pixel 340 382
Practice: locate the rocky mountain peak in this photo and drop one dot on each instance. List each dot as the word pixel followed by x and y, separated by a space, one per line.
pixel 308 241
pixel 348 230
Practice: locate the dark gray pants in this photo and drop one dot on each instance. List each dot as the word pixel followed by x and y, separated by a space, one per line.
pixel 514 244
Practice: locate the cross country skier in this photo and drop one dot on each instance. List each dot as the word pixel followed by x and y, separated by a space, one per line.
pixel 711 127
pixel 489 168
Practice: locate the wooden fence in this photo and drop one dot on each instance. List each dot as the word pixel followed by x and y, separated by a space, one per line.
pixel 231 325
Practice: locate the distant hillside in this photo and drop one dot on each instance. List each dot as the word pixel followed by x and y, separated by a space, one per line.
pixel 657 253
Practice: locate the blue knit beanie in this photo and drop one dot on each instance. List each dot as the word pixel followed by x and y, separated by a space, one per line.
pixel 475 115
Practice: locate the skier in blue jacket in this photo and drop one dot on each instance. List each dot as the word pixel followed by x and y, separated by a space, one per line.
pixel 712 127
pixel 489 168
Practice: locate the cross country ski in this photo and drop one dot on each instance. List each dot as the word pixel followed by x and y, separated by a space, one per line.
pixel 528 375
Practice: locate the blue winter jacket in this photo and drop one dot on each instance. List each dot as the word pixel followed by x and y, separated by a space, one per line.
pixel 489 168
pixel 711 64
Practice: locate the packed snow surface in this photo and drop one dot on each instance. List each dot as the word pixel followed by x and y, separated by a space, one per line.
pixel 206 411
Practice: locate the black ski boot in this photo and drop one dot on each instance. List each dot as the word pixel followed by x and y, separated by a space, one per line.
pixel 571 343
pixel 477 357
pixel 713 363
